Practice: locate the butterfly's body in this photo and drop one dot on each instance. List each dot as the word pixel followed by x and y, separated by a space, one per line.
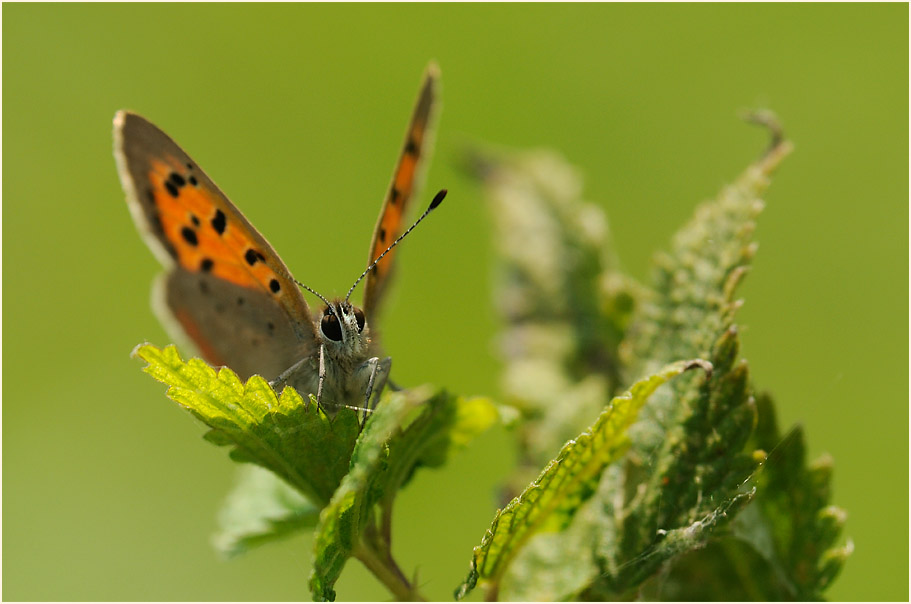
pixel 227 290
pixel 343 370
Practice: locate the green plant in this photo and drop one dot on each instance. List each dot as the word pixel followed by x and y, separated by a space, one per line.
pixel 650 467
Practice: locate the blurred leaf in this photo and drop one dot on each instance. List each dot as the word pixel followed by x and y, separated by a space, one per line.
pixel 564 305
pixel 260 509
pixel 550 502
pixel 294 439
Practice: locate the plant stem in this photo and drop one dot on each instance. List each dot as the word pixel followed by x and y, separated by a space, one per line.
pixel 387 571
pixel 386 524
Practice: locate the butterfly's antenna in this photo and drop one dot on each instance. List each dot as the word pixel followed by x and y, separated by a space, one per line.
pixel 437 200
pixel 288 276
pixel 314 292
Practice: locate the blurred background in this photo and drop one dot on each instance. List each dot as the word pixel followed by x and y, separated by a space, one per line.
pixel 298 113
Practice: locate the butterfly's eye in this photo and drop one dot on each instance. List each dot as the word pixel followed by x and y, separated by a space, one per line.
pixel 359 317
pixel 331 327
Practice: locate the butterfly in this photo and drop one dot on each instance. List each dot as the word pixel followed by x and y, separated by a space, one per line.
pixel 227 290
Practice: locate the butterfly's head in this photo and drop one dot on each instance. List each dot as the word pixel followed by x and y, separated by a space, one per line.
pixel 343 326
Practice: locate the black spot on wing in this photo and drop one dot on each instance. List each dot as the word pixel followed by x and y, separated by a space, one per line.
pixel 274 286
pixel 253 256
pixel 189 235
pixel 411 147
pixel 172 190
pixel 194 219
pixel 177 179
pixel 206 265
pixel 219 222
pixel 394 196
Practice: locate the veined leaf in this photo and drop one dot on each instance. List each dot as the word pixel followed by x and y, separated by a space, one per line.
pixel 793 527
pixel 343 520
pixel 551 500
pixel 445 424
pixel 695 474
pixel 689 444
pixel 694 285
pixel 407 430
pixel 260 509
pixel 692 458
pixel 284 434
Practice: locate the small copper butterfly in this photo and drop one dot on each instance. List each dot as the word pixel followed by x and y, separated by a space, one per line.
pixel 227 290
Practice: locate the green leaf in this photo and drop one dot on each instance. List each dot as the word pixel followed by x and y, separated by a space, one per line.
pixel 793 527
pixel 260 509
pixel 692 480
pixel 689 462
pixel 409 429
pixel 343 520
pixel 384 457
pixel 725 569
pixel 693 301
pixel 781 547
pixel 697 444
pixel 554 566
pixel 284 434
pixel 550 502
pixel 446 423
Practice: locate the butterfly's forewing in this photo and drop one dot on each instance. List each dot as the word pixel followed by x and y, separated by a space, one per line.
pixel 226 288
pixel 405 181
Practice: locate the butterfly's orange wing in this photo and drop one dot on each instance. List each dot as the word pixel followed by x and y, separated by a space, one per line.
pixel 226 288
pixel 405 181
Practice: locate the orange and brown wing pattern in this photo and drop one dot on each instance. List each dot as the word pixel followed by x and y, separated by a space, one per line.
pixel 405 181
pixel 196 231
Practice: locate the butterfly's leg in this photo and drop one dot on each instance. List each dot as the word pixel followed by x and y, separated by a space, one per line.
pixel 299 376
pixel 379 374
pixel 322 374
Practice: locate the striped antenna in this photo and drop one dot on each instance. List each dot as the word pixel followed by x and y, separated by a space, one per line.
pixel 312 291
pixel 437 200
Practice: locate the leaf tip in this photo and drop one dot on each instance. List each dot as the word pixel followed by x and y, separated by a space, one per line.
pixel 138 350
pixel 469 583
pixel 700 364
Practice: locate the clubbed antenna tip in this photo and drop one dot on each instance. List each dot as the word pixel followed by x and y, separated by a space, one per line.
pixel 438 199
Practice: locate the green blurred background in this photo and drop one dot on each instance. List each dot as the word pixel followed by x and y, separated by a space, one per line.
pixel 298 111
